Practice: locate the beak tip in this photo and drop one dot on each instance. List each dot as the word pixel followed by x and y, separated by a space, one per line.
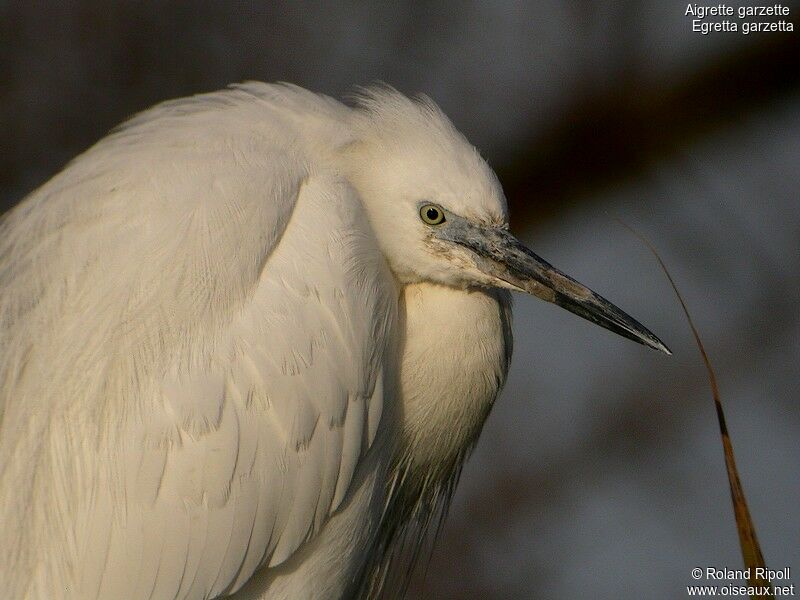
pixel 657 344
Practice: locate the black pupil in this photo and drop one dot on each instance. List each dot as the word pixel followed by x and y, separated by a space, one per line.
pixel 433 214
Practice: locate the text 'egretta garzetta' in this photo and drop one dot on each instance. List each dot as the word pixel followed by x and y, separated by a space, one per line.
pixel 246 342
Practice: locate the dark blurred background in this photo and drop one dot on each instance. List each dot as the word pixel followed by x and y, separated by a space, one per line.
pixel 600 472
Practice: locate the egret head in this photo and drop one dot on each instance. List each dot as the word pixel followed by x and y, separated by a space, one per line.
pixel 440 215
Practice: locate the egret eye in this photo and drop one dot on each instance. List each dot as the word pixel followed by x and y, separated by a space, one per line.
pixel 432 215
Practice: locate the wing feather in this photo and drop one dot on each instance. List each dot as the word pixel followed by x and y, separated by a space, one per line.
pixel 193 354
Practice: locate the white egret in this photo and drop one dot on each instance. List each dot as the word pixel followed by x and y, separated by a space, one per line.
pixel 246 342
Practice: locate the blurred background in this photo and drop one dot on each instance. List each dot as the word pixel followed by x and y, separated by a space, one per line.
pixel 600 472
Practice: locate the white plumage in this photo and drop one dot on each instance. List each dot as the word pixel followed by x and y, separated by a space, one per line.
pixel 234 359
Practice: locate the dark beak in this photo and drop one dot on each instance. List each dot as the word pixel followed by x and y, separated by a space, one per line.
pixel 501 256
